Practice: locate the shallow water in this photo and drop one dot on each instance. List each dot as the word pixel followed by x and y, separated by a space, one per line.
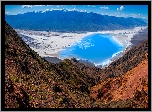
pixel 96 48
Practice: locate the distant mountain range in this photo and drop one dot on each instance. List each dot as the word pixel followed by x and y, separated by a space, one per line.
pixel 70 21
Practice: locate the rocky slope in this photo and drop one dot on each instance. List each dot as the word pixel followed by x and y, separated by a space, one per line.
pixel 45 84
pixel 32 82
pixel 128 90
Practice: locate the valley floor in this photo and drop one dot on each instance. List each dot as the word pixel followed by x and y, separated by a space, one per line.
pixel 49 44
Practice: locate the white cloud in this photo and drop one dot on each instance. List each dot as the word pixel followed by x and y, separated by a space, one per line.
pixel 39 5
pixel 144 17
pixel 74 9
pixel 30 6
pixel 91 6
pixel 7 12
pixel 74 5
pixel 26 6
pixel 121 8
pixel 106 8
pixel 118 14
pixel 135 15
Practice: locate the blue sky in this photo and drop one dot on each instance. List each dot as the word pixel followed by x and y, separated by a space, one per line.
pixel 137 11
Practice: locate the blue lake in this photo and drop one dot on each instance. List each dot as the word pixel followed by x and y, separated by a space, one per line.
pixel 96 48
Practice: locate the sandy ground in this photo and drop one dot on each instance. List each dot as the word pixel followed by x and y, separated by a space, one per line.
pixel 51 43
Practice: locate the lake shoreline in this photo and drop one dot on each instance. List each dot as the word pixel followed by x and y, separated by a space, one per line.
pixel 61 41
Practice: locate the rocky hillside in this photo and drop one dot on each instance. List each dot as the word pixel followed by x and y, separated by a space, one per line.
pixel 127 91
pixel 33 82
